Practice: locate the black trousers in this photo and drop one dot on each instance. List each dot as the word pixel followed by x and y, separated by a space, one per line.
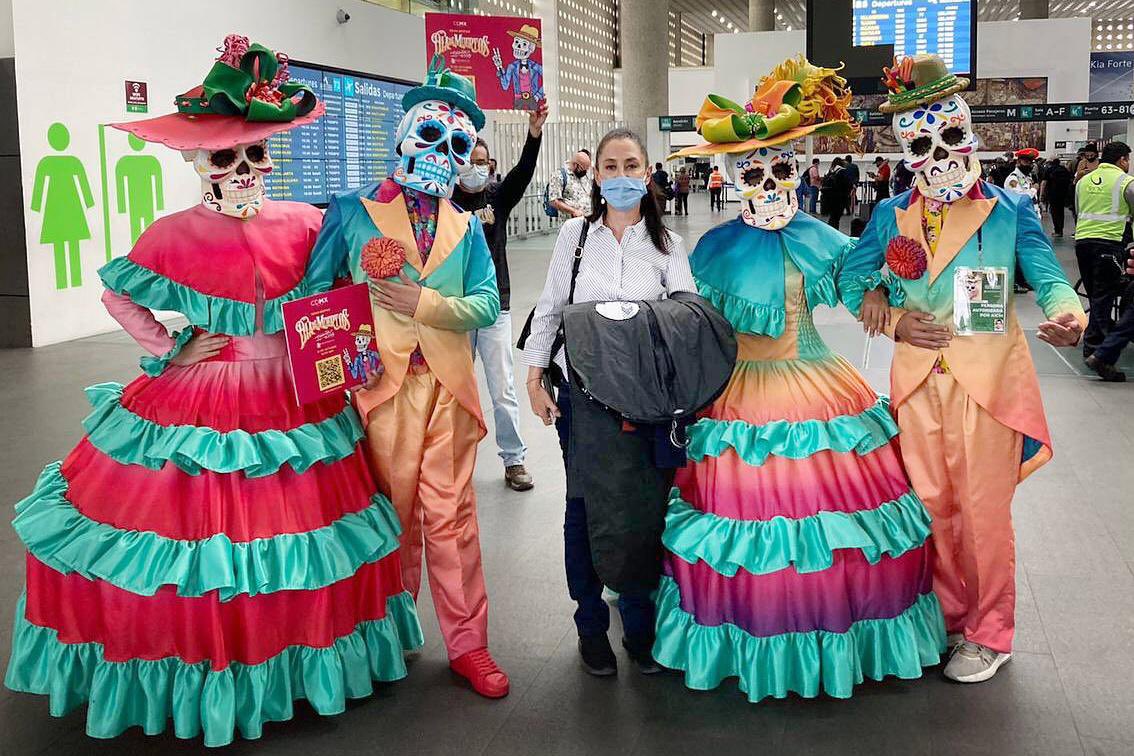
pixel 1058 214
pixel 1101 268
pixel 835 215
pixel 682 203
pixel 715 200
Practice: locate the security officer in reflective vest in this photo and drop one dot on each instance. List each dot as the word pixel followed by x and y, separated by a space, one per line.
pixel 1104 198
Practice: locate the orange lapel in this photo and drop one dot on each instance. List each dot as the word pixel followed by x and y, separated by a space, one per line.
pixel 964 217
pixel 392 220
pixel 909 222
pixel 451 227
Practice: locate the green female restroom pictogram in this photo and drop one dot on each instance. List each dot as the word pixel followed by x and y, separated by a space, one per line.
pixel 137 179
pixel 63 195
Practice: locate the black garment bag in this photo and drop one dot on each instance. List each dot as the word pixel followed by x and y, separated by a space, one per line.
pixel 652 364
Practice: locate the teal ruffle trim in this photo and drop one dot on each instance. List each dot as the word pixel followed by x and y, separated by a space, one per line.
pixel 155 366
pixel 199 699
pixel 141 562
pixel 133 440
pixel 855 288
pixel 215 314
pixel 807 544
pixel 862 433
pixel 745 316
pixel 822 291
pixel 803 663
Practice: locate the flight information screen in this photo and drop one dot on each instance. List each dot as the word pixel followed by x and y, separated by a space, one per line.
pixel 942 27
pixel 352 145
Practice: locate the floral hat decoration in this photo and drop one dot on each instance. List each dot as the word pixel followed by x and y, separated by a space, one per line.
pixel 918 80
pixel 796 99
pixel 246 97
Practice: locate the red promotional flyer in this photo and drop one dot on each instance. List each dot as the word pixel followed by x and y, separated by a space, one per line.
pixel 330 342
pixel 503 55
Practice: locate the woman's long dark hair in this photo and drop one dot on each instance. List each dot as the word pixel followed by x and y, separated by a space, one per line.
pixel 650 206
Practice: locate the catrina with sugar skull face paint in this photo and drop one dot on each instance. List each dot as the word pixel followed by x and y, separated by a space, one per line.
pixel 766 270
pixel 213 398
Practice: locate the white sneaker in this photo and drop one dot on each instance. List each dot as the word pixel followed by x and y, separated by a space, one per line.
pixel 973 663
pixel 952 641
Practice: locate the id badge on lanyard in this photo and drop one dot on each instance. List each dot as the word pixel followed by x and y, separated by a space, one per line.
pixel 980 297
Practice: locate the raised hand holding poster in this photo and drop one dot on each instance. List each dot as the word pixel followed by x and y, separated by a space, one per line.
pixel 503 55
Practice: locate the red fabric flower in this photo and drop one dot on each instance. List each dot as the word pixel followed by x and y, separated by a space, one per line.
pixel 906 258
pixel 383 257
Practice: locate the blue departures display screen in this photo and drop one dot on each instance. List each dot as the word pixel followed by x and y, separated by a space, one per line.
pixel 942 27
pixel 352 145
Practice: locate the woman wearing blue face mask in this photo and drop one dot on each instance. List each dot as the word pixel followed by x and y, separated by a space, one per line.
pixel 627 255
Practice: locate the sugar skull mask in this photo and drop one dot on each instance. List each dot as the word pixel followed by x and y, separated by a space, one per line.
pixel 937 141
pixel 766 179
pixel 435 142
pixel 232 179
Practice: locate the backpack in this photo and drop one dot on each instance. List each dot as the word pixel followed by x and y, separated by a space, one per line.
pixel 548 209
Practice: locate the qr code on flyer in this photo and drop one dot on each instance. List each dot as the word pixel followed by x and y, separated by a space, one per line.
pixel 329 372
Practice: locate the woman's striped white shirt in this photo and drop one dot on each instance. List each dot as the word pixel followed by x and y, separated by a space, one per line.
pixel 610 272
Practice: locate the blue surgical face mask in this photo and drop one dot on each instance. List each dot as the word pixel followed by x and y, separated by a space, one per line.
pixel 623 192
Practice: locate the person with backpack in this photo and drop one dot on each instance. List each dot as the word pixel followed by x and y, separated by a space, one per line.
pixel 568 192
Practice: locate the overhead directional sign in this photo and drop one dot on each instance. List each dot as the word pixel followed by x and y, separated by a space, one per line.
pixel 678 123
pixel 1052 111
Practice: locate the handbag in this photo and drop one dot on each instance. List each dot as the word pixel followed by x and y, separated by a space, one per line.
pixel 553 372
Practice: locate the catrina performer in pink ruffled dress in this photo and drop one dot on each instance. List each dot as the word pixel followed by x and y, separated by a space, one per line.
pixel 798 558
pixel 210 551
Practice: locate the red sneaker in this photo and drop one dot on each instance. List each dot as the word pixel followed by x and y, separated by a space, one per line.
pixel 479 668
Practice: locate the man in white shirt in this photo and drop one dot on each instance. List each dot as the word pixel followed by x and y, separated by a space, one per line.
pixel 569 191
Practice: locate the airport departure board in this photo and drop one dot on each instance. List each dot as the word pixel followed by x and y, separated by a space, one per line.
pixel 942 27
pixel 352 145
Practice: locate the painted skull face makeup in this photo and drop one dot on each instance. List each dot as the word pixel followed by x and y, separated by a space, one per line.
pixel 937 141
pixel 232 179
pixel 435 142
pixel 766 179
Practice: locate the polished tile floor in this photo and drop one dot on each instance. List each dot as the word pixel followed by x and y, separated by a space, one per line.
pixel 1068 690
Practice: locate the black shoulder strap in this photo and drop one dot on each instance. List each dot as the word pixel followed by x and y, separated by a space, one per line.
pixel 578 259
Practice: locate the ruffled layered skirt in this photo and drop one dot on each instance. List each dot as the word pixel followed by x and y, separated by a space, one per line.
pixel 209 553
pixel 797 555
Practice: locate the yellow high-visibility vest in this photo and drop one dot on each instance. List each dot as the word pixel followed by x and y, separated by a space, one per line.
pixel 1100 197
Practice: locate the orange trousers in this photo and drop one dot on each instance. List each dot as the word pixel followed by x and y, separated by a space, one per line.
pixel 423 444
pixel 965 465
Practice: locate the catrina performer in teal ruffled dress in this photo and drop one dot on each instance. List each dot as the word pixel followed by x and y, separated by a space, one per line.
pixel 797 556
pixel 210 551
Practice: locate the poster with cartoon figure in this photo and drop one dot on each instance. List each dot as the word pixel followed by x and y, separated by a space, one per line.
pixel 503 55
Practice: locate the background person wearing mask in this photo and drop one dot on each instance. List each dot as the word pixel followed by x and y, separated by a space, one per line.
pixel 493 203
pixel 569 191
pixel 1104 198
pixel 628 255
pixel 1088 160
